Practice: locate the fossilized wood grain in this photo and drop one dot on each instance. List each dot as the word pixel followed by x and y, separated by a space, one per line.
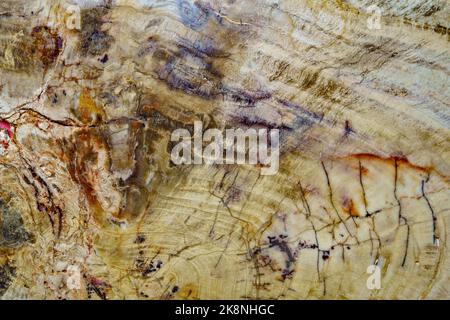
pixel 85 169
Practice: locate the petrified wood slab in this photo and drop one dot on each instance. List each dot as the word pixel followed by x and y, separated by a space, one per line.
pixel 92 207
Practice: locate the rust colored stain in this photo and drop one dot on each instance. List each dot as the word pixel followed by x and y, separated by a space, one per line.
pixel 47 44
pixel 391 160
pixel 82 156
pixel 349 207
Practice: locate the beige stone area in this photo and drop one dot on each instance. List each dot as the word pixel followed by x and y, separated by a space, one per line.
pixel 91 206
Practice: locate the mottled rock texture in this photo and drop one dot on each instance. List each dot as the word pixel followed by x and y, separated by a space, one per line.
pixel 92 207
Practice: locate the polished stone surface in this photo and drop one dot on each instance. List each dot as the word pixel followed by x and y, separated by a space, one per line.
pixel 92 207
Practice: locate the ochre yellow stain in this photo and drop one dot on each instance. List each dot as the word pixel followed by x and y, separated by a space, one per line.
pixel 350 208
pixel 88 111
pixel 188 291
